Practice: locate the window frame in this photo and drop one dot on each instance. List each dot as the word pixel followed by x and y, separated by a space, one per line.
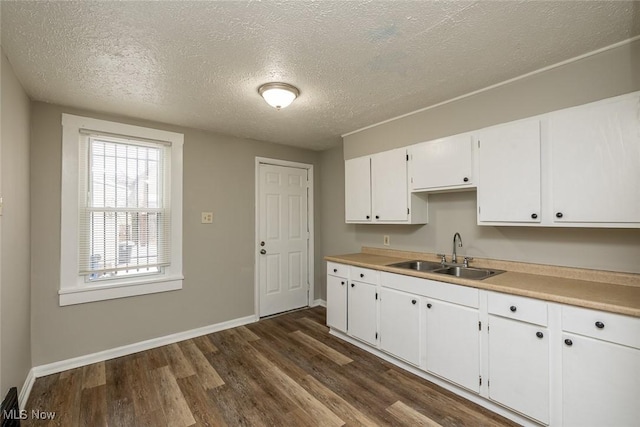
pixel 73 287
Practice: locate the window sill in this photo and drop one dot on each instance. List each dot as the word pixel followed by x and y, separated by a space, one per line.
pixel 80 295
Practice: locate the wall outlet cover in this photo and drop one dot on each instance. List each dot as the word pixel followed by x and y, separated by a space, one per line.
pixel 207 217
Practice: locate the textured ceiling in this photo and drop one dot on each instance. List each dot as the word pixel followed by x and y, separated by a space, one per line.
pixel 199 64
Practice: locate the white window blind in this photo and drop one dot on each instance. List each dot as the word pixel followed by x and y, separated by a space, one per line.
pixel 124 212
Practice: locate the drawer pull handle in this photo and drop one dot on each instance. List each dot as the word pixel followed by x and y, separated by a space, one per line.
pixel 539 334
pixel 413 302
pixel 513 308
pixel 568 342
pixel 599 325
pixel 361 275
pixel 335 270
pixel 342 283
pixel 429 305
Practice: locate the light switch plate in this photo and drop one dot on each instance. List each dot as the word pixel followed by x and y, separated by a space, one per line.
pixel 207 217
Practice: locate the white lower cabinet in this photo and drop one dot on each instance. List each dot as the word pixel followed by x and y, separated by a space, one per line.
pixel 362 311
pixel 545 363
pixel 400 325
pixel 600 369
pixel 337 302
pixel 519 366
pixel 453 343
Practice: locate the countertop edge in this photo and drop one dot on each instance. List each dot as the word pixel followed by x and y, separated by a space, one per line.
pixel 489 285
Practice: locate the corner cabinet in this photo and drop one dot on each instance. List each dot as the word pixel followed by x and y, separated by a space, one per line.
pixel 377 190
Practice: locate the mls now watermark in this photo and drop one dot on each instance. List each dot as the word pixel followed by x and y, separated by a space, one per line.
pixel 23 414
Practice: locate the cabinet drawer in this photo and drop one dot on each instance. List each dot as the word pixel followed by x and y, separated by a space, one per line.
pixel 335 269
pixel 519 308
pixel 364 275
pixel 615 328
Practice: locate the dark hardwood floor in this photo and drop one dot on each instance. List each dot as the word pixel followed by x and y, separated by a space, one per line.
pixel 282 371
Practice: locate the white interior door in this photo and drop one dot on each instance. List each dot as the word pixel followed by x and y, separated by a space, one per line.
pixel 283 239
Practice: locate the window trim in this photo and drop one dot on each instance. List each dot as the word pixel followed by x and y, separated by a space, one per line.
pixel 73 289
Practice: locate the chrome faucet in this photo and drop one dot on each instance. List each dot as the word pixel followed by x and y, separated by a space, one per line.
pixel 454 256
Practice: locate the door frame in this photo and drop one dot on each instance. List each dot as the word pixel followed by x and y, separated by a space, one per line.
pixel 310 224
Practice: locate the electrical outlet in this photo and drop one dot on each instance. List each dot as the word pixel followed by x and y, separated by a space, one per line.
pixel 385 240
pixel 207 217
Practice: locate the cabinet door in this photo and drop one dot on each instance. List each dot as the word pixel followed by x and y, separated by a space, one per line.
pixel 362 321
pixel 389 185
pixel 509 173
pixel 595 162
pixel 519 366
pixel 453 343
pixel 337 303
pixel 357 189
pixel 400 325
pixel 445 162
pixel 600 383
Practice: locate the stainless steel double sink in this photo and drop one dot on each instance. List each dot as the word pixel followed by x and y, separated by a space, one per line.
pixel 448 270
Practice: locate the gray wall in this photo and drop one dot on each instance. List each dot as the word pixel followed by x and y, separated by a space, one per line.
pixel 15 308
pixel 610 73
pixel 606 74
pixel 218 258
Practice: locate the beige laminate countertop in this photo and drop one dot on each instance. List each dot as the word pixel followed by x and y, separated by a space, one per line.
pixel 607 291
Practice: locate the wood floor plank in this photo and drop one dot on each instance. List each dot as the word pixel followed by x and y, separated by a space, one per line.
pixel 321 348
pixel 202 407
pixel 120 410
pixel 174 406
pixel 246 334
pixel 335 403
pixel 409 416
pixel 144 393
pixel 69 392
pixel 93 406
pixel 207 375
pixel 205 345
pixel 179 364
pixel 298 394
pixel 93 375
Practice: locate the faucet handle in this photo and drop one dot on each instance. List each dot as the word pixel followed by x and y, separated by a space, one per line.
pixel 443 258
pixel 465 263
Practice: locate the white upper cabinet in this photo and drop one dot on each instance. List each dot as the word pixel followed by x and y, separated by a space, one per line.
pixel 509 173
pixel 595 163
pixel 377 191
pixel 357 180
pixel 442 164
pixel 389 185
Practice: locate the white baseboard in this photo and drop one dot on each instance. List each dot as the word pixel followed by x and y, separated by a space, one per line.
pixel 25 391
pixel 319 302
pixel 76 362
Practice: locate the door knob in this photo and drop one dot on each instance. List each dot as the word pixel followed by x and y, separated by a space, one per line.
pixel 263 251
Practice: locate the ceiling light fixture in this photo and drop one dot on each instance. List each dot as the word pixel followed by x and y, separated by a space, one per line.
pixel 278 95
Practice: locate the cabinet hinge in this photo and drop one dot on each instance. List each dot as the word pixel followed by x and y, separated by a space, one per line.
pixel 480 379
pixel 478 209
pixel 407 211
pixel 478 143
pixel 376 295
pixel 479 326
pixel 488 383
pixel 376 335
pixel 407 157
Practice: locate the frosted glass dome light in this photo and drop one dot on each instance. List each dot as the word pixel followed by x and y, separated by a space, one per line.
pixel 278 95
